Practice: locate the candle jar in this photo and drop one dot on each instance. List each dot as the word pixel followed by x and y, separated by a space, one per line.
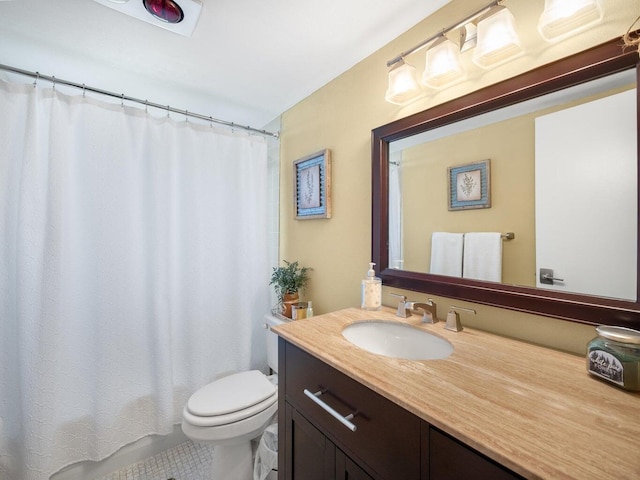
pixel 299 310
pixel 614 356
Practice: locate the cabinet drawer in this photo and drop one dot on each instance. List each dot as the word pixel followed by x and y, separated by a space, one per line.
pixel 387 438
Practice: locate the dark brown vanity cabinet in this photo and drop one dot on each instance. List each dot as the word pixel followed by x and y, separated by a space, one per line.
pixel 388 443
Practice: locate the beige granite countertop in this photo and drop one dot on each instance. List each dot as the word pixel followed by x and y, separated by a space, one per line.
pixel 535 410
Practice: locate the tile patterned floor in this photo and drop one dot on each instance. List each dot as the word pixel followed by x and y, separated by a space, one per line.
pixel 186 461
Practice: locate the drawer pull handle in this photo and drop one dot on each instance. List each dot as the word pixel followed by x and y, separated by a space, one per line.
pixel 343 420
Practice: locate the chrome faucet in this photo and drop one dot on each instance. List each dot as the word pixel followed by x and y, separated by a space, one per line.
pixel 429 310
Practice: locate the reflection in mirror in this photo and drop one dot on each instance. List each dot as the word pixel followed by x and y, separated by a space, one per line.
pixel 560 148
pixel 563 179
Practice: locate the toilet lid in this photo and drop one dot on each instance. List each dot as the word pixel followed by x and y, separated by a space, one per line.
pixel 231 394
pixel 257 410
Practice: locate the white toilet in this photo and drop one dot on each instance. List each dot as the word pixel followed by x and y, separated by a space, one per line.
pixel 232 411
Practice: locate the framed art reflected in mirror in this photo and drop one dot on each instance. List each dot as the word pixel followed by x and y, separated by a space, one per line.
pixel 470 186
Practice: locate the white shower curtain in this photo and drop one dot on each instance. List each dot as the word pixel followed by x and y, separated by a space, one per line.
pixel 133 270
pixel 396 259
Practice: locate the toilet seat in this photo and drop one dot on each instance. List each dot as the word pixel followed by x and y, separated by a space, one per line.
pixel 230 399
pixel 216 420
pixel 231 433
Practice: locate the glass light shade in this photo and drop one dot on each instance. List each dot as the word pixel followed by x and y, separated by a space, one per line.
pixel 443 65
pixel 563 18
pixel 498 41
pixel 403 84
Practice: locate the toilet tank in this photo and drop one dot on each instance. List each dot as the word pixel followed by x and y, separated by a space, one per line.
pixel 272 340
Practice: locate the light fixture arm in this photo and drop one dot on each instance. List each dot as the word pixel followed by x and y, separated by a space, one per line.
pixel 444 31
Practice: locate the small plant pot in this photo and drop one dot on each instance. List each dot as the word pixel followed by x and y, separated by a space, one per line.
pixel 288 299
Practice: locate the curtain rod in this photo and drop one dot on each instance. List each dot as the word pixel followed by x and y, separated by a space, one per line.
pixel 124 97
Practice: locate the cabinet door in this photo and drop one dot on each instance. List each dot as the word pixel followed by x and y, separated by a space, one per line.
pixel 312 454
pixel 452 460
pixel 347 469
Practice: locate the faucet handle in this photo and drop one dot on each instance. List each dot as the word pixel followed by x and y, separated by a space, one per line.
pixel 453 318
pixel 403 310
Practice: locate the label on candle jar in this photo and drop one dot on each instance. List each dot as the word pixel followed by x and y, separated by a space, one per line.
pixel 605 365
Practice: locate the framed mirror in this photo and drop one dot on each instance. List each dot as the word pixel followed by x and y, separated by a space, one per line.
pixel 553 157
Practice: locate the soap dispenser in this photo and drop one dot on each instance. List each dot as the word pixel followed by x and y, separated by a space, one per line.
pixel 371 290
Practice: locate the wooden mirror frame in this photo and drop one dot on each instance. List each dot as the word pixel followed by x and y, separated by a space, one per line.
pixel 600 61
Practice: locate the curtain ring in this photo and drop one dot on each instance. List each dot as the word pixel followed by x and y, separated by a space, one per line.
pixel 186 116
pixel 35 82
pixel 211 122
pixel 84 90
pixel 168 111
pixel 54 81
pixel 146 104
pixel 122 101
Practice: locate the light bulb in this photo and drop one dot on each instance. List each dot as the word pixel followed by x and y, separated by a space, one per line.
pixel 165 10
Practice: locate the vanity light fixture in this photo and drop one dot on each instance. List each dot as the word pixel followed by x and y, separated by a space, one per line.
pixel 403 84
pixel 563 18
pixel 443 67
pixel 498 41
pixel 491 33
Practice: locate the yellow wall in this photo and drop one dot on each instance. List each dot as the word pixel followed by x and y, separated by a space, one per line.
pixel 341 115
pixel 509 145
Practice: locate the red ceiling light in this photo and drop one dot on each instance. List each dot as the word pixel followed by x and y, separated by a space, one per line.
pixel 165 10
pixel 177 16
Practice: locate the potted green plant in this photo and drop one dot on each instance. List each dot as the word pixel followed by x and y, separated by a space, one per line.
pixel 288 281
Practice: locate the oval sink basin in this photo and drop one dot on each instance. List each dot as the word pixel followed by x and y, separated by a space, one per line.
pixel 397 340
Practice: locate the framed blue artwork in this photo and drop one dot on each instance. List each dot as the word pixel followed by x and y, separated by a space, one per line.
pixel 312 186
pixel 470 186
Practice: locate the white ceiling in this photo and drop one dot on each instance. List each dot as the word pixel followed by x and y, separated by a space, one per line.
pixel 251 59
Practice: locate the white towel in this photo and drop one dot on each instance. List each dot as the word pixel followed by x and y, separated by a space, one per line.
pixel 483 256
pixel 446 254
